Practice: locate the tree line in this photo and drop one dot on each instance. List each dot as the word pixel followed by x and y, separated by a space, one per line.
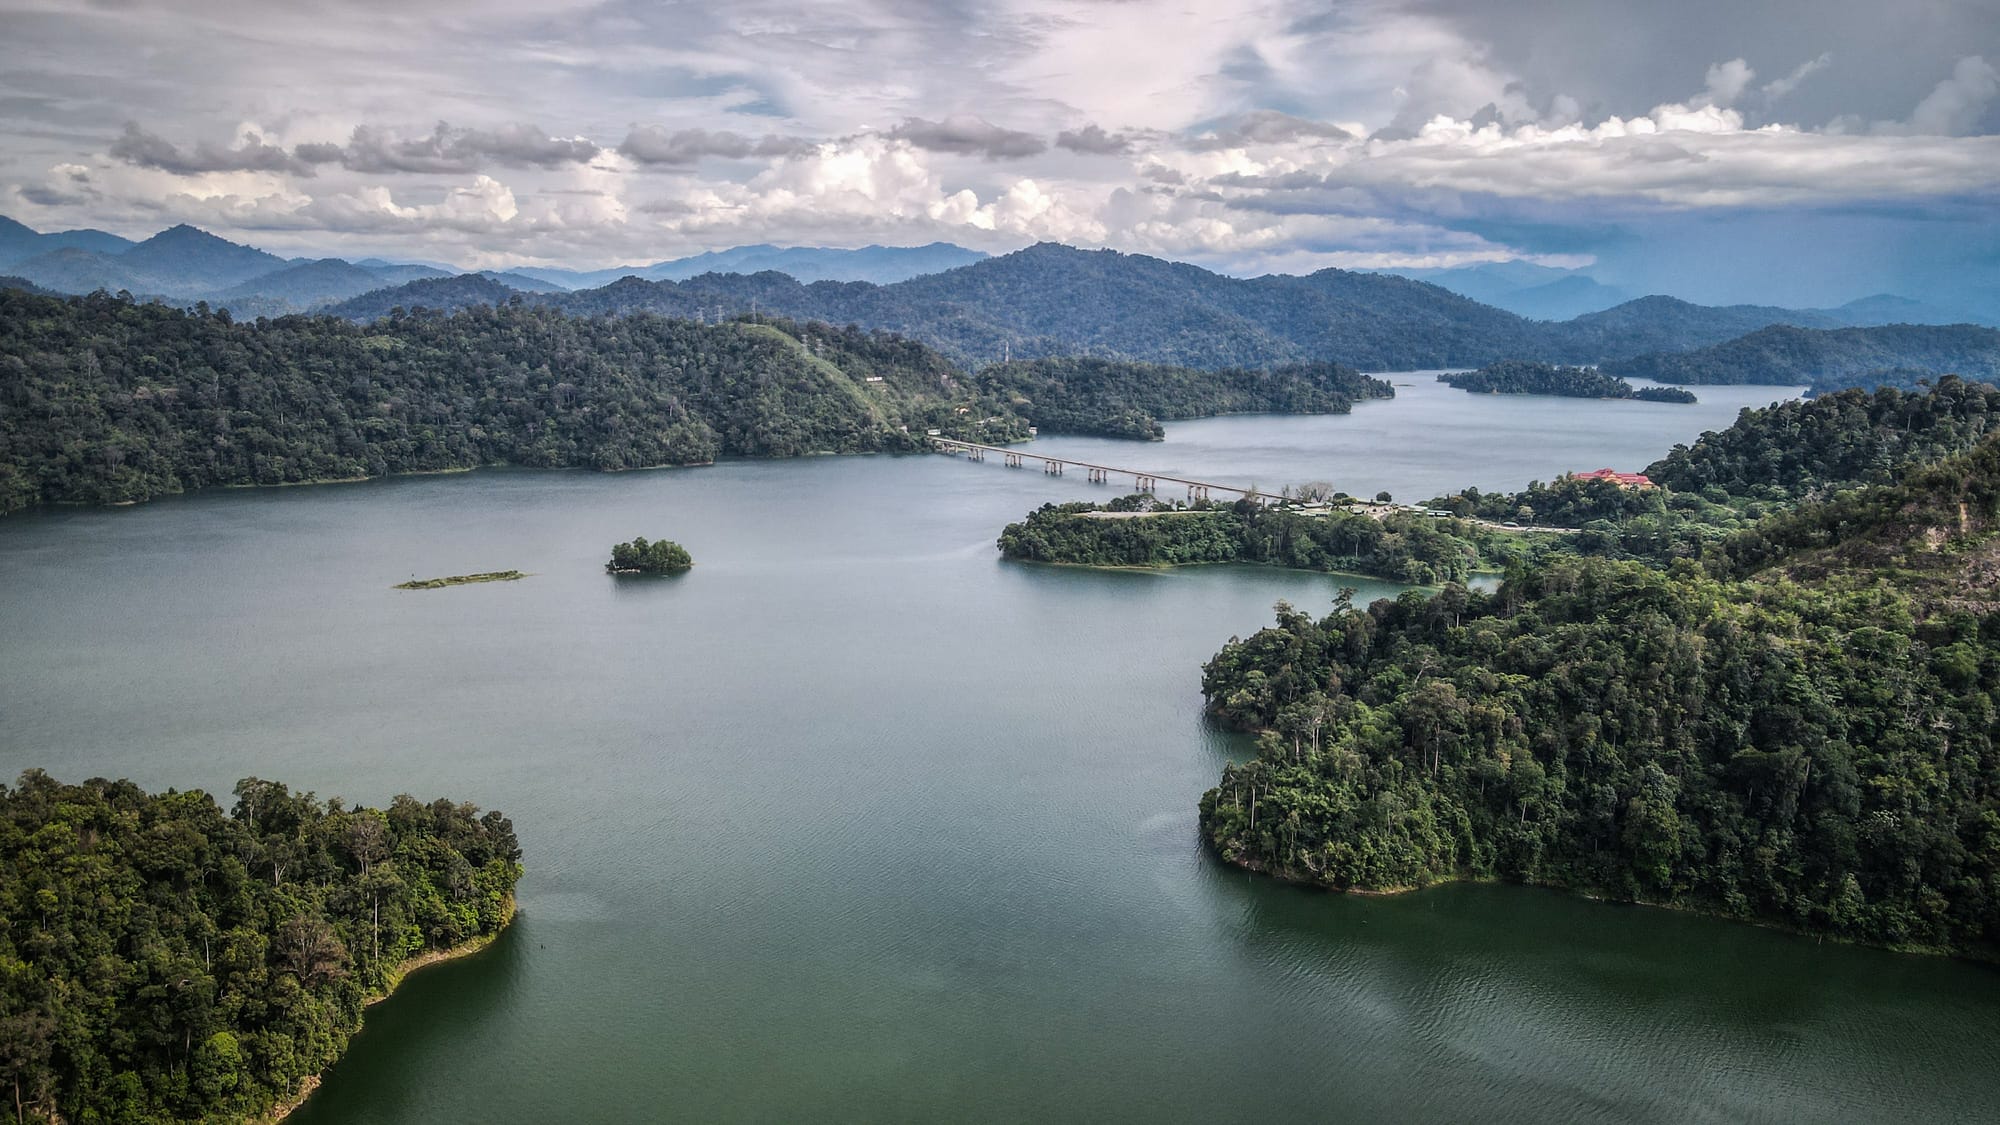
pixel 107 400
pixel 164 961
pixel 1136 530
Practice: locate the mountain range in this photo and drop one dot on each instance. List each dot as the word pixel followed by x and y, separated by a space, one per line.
pixel 1050 300
pixel 185 264
pixel 1546 293
pixel 1046 300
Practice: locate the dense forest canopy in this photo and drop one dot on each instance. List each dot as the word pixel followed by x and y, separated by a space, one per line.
pixel 1136 530
pixel 1829 359
pixel 1793 723
pixel 164 961
pixel 1520 377
pixel 105 400
pixel 1129 400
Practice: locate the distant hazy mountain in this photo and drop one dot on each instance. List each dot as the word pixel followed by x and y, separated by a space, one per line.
pixel 1829 359
pixel 179 262
pixel 526 283
pixel 305 284
pixel 18 243
pixel 185 257
pixel 1886 308
pixel 1545 293
pixel 401 273
pixel 1525 289
pixel 882 265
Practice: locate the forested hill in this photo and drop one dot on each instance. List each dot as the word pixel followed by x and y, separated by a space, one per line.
pixel 104 401
pixel 1797 728
pixel 1052 300
pixel 1129 400
pixel 1830 359
pixel 163 961
pixel 1813 447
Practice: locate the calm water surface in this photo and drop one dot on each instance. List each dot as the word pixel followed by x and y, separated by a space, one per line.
pixel 857 822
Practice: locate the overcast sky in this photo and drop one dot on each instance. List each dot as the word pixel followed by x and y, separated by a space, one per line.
pixel 1805 152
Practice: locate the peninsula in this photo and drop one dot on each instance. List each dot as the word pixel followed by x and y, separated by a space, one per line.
pixel 246 943
pixel 1787 722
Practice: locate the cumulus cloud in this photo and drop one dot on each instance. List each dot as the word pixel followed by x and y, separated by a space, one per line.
pixel 251 153
pixel 1726 82
pixel 651 144
pixel 967 135
pixel 1956 105
pixel 450 150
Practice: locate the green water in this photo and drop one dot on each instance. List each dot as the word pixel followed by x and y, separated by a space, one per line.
pixel 857 822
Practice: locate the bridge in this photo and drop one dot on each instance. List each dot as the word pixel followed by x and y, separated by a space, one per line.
pixel 1142 480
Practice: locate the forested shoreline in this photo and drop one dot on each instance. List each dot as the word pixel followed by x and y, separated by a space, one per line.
pixel 105 400
pixel 1136 530
pixel 1790 720
pixel 165 961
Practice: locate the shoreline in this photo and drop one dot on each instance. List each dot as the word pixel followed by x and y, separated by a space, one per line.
pixel 1161 568
pixel 1294 880
pixel 397 976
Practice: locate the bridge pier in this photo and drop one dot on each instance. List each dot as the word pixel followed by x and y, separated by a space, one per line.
pixel 1098 476
pixel 1142 483
pixel 1053 468
pixel 1013 460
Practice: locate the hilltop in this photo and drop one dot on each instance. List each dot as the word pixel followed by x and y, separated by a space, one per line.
pixel 1829 359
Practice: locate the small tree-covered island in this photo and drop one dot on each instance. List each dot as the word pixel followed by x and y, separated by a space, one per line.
pixel 164 961
pixel 660 556
pixel 1517 377
pixel 1792 722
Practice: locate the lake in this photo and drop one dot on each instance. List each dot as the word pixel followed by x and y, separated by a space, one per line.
pixel 858 822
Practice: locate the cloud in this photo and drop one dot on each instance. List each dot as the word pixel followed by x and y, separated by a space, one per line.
pixel 1092 140
pixel 651 144
pixel 1956 105
pixel 450 150
pixel 1726 82
pixel 967 135
pixel 1269 127
pixel 1779 87
pixel 251 153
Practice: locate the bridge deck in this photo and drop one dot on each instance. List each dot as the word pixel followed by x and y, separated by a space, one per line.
pixel 950 445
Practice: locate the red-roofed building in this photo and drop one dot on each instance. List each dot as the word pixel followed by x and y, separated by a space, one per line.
pixel 1622 480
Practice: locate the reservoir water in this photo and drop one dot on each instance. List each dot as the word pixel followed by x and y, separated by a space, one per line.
pixel 857 822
